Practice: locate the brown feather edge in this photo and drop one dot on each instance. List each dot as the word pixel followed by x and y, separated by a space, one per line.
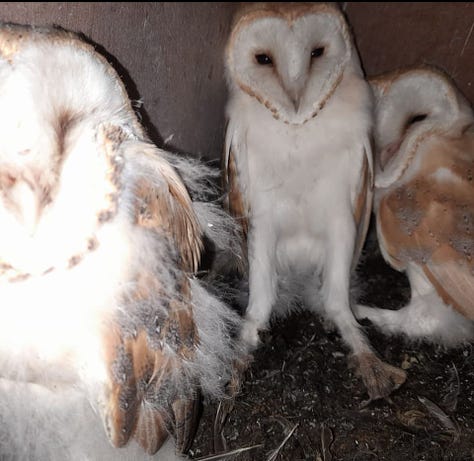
pixel 235 204
pixel 444 295
pixel 362 210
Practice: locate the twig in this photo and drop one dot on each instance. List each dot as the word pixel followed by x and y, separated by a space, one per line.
pixel 223 456
pixel 326 440
pixel 274 454
pixel 450 400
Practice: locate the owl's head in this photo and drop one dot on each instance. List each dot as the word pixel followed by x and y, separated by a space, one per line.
pixel 411 106
pixel 290 57
pixel 55 91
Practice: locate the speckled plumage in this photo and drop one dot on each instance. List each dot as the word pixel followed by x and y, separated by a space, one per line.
pixel 424 203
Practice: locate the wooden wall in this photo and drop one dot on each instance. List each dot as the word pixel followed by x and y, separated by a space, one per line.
pixel 391 35
pixel 171 54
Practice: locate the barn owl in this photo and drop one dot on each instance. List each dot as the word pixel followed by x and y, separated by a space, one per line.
pixel 107 339
pixel 298 166
pixel 424 203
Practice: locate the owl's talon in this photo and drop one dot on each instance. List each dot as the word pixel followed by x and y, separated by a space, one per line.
pixel 380 378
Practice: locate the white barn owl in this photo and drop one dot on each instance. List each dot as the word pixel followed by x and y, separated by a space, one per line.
pixel 424 203
pixel 106 338
pixel 298 165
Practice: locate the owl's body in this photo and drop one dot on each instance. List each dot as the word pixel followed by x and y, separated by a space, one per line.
pixel 299 166
pixel 424 204
pixel 294 180
pixel 106 338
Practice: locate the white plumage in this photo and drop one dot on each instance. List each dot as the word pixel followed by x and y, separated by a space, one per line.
pixel 106 338
pixel 298 165
pixel 424 203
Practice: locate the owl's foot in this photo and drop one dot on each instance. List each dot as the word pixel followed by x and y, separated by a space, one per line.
pixel 249 335
pixel 379 377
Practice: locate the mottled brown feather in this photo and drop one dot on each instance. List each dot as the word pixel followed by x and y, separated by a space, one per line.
pixel 235 202
pixel 144 399
pixel 170 213
pixel 186 413
pixel 121 401
pixel 430 221
pixel 151 432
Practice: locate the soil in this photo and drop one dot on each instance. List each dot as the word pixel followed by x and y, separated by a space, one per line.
pixel 300 400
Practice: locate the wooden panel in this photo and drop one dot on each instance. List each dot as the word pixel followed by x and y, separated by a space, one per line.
pixel 170 55
pixel 390 35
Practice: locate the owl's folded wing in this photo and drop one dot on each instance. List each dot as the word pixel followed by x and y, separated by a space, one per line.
pixel 150 341
pixel 430 221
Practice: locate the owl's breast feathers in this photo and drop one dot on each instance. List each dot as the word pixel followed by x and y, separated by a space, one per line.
pixel 429 220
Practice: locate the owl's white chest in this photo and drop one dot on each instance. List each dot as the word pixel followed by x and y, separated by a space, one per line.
pixel 51 323
pixel 302 182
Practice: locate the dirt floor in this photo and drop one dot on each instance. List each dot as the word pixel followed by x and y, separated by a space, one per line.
pixel 300 401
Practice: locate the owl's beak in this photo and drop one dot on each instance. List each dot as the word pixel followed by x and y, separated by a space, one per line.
pixel 28 204
pixel 296 99
pixel 294 86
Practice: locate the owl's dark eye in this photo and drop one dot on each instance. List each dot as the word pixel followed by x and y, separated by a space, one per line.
pixel 416 118
pixel 317 52
pixel 264 59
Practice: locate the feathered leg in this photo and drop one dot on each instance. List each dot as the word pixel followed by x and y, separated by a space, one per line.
pixel 262 284
pixel 379 378
pixel 425 317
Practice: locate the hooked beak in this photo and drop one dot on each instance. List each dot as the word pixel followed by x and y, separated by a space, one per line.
pixel 295 97
pixel 293 82
pixel 28 202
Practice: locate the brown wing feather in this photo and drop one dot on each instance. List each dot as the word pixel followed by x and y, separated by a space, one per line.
pixel 169 211
pixel 430 221
pixel 150 395
pixel 362 209
pixel 235 201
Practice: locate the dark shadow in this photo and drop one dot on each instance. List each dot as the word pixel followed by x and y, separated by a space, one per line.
pixel 132 91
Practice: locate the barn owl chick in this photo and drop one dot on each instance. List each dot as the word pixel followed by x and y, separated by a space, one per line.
pixel 298 165
pixel 106 338
pixel 424 203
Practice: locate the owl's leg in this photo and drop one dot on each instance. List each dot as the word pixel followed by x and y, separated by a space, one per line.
pixel 424 318
pixel 379 378
pixel 262 285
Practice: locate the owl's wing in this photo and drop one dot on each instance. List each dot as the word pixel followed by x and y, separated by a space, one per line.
pixel 234 158
pixel 430 221
pixel 362 205
pixel 151 340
